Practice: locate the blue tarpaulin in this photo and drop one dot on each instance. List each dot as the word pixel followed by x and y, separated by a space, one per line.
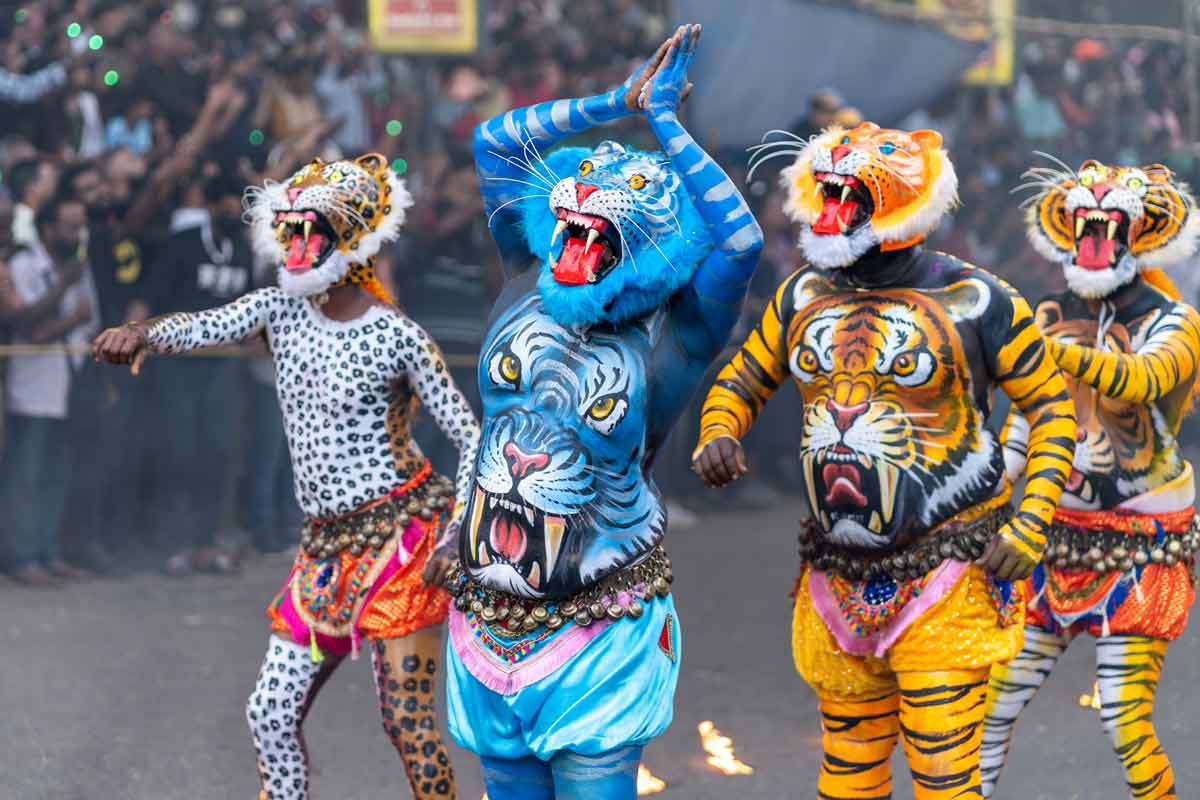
pixel 757 68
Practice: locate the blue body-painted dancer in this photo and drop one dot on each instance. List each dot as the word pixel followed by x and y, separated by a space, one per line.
pixel 626 272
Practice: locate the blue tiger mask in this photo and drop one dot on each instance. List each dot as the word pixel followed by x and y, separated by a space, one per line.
pixel 619 238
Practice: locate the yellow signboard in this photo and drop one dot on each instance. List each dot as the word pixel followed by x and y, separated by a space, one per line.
pixel 424 26
pixel 981 21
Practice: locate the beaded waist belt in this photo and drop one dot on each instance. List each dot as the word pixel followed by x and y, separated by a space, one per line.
pixel 424 495
pixel 613 597
pixel 960 540
pixel 1114 540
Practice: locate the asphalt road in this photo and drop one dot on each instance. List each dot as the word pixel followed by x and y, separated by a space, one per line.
pixel 133 690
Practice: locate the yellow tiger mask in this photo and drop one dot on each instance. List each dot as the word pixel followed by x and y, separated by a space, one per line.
pixel 325 224
pixel 856 189
pixel 1106 224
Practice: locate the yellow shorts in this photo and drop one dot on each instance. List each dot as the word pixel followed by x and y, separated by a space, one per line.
pixel 962 630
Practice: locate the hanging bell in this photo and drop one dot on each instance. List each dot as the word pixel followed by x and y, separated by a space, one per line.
pixel 615 612
pixel 583 619
pixel 636 609
pixel 568 609
pixel 554 622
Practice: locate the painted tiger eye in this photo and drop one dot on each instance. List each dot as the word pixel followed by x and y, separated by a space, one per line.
pixel 637 182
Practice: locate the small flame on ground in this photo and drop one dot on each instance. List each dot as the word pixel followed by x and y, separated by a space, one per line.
pixel 1091 700
pixel 720 750
pixel 648 782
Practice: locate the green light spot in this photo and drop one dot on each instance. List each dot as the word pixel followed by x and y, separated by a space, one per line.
pixel 394 127
pixel 111 77
pixel 256 137
pixel 74 29
pixel 399 166
pixel 21 16
pixel 96 41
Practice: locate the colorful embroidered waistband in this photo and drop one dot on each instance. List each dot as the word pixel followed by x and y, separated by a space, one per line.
pixel 618 595
pixel 1127 522
pixel 371 525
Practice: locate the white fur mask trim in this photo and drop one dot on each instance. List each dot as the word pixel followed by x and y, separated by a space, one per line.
pixel 315 281
pixel 834 251
pixel 1093 284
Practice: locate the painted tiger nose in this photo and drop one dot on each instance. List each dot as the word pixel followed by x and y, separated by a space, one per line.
pixel 844 416
pixel 1099 190
pixel 1080 434
pixel 840 152
pixel 521 463
pixel 293 193
pixel 583 191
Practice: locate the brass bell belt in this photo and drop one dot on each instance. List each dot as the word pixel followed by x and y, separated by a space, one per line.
pixel 962 541
pixel 1101 550
pixel 510 616
pixel 372 525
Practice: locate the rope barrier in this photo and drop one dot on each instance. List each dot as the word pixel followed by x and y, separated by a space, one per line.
pixel 23 350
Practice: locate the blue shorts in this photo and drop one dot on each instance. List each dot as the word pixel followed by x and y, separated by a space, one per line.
pixel 580 690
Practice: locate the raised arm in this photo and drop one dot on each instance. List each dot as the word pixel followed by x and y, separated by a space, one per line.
pixel 172 334
pixel 1165 361
pixel 430 378
pixel 743 387
pixel 1026 373
pixel 719 285
pixel 508 147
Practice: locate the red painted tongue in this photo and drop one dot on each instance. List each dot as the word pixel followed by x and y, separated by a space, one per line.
pixel 302 254
pixel 1096 252
pixel 844 486
pixel 834 211
pixel 508 538
pixel 578 263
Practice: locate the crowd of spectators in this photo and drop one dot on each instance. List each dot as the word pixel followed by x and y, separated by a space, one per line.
pixel 128 131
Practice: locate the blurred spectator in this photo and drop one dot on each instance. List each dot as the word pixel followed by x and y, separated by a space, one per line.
pixel 55 303
pixel 32 183
pixel 823 107
pixel 204 263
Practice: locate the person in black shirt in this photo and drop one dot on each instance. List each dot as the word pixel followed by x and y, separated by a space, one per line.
pixel 204 263
pixel 99 532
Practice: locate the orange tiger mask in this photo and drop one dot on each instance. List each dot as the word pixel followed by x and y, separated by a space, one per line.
pixel 1106 224
pixel 865 187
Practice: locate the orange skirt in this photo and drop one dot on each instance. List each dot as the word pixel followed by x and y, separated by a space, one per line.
pixel 331 603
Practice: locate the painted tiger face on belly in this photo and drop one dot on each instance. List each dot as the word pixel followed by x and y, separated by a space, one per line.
pixel 560 498
pixel 1122 449
pixel 892 441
